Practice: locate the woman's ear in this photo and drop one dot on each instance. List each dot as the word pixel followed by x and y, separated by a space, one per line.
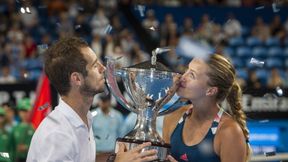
pixel 211 91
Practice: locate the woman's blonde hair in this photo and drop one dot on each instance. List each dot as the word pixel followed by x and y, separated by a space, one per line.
pixel 222 75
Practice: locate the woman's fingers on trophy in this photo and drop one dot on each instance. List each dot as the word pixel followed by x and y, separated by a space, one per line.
pixel 149 158
pixel 121 147
pixel 171 159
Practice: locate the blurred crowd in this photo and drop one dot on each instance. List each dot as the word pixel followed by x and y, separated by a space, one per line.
pixel 24 36
pixel 16 131
pixel 229 3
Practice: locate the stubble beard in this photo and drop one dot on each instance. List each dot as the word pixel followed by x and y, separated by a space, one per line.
pixel 88 90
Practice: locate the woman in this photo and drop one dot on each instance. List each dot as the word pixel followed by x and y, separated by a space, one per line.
pixel 202 132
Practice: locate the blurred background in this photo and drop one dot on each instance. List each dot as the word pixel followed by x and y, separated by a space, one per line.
pixel 252 34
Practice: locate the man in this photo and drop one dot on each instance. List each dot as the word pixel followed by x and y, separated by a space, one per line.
pixel 107 124
pixel 66 133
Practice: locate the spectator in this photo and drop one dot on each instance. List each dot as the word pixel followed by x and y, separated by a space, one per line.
pixel 218 35
pixel 96 45
pixel 99 23
pixel 166 27
pixel 187 26
pixel 23 132
pixel 55 7
pixel 4 135
pixel 6 77
pixel 116 24
pixel 126 40
pixel 275 79
pixel 151 22
pixel 65 24
pixel 277 29
pixel 9 117
pixel 253 82
pixel 205 29
pixel 138 55
pixel 124 58
pixel 106 125
pixel 232 28
pixel 81 27
pixel 109 45
pixel 109 6
pixel 260 30
pixel 30 47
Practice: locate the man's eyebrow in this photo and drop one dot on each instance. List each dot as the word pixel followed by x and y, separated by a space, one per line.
pixel 95 62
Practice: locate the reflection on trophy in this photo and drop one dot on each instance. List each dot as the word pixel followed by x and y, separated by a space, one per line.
pixel 151 88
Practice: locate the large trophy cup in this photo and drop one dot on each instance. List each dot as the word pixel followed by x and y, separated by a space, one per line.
pixel 151 88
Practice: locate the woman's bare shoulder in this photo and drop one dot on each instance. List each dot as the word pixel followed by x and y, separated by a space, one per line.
pixel 177 114
pixel 171 120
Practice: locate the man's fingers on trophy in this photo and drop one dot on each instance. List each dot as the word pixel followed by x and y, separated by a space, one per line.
pixel 149 158
pixel 171 159
pixel 140 147
pixel 149 153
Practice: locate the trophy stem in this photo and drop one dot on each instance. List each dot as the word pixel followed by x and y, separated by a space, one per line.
pixel 146 117
pixel 145 131
pixel 145 127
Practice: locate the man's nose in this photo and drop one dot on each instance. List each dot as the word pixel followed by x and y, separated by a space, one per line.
pixel 102 68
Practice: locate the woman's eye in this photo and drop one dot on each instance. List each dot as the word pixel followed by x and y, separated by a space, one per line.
pixel 191 75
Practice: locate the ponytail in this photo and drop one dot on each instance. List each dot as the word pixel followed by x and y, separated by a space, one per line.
pixel 221 74
pixel 234 100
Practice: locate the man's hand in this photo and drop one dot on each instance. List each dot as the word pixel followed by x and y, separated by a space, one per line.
pixel 171 159
pixel 135 155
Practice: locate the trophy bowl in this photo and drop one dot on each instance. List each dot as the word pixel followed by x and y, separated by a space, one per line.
pixel 152 93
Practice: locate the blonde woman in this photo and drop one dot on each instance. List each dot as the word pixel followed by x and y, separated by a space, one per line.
pixel 203 132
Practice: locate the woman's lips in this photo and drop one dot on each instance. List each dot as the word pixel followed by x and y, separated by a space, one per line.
pixel 181 85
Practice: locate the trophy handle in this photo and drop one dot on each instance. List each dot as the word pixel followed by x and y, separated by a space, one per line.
pixel 175 103
pixel 113 86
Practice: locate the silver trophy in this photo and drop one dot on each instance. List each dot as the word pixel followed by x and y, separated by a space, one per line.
pixel 151 88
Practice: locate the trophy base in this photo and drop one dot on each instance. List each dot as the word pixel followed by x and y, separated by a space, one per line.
pixel 163 149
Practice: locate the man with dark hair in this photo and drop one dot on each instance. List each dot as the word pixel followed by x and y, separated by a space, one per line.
pixel 66 133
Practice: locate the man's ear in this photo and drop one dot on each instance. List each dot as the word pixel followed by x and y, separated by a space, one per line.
pixel 76 78
pixel 211 91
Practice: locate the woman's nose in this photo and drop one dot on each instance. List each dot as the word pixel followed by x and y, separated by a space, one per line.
pixel 183 77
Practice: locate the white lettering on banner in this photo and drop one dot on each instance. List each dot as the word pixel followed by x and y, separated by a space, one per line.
pixel 5 96
pixel 263 137
pixel 18 95
pixel 262 104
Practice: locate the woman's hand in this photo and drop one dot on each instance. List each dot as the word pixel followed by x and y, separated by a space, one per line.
pixel 135 155
pixel 171 159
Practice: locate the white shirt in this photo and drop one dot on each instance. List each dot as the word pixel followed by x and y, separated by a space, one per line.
pixel 63 137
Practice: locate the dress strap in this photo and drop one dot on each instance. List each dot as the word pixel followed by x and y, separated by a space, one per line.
pixel 187 113
pixel 216 121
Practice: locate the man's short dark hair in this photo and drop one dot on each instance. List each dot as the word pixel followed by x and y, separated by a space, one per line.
pixel 62 59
